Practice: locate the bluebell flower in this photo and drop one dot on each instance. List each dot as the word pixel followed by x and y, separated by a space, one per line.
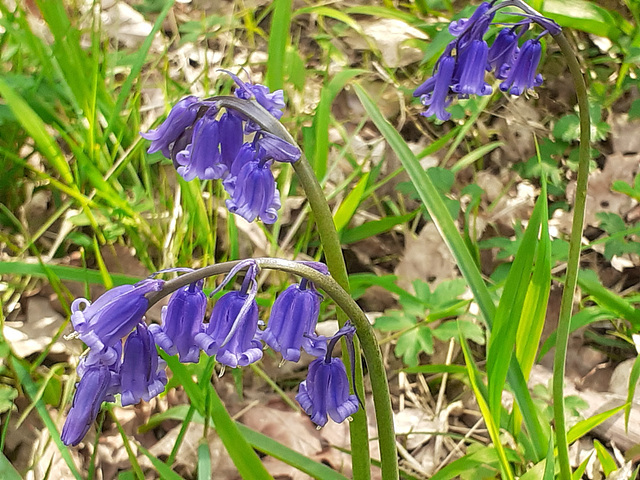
pixel 230 333
pixel 142 375
pixel 94 388
pixel 439 98
pixel 180 117
pixel 522 75
pixel 325 392
pixel 275 148
pixel 253 193
pixel 106 321
pixel 182 319
pixel 292 322
pixel 502 52
pixel 461 68
pixel 458 27
pixel 202 159
pixel 246 154
pixel 273 102
pixel 231 137
pixel 471 67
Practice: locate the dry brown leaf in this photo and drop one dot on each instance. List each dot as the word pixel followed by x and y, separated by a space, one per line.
pixel 426 258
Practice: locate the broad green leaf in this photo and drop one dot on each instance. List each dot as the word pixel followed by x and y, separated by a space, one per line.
pixel 414 342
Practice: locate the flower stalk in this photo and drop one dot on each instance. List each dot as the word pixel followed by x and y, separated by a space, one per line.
pixel 573 263
pixel 368 343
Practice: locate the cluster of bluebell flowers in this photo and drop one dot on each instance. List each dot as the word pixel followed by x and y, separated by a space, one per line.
pixel 123 359
pixel 208 144
pixel 460 70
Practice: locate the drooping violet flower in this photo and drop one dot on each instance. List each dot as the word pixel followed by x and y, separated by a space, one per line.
pixel 502 52
pixel 180 117
pixel 93 389
pixel 273 102
pixel 458 27
pixel 253 193
pixel 275 148
pixel 439 98
pixel 522 76
pixel 231 137
pixel 182 319
pixel 293 321
pixel 472 63
pixel 202 158
pixel 142 374
pixel 106 321
pixel 325 392
pixel 230 333
pixel 468 56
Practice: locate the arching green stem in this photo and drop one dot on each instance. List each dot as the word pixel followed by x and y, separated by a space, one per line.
pixel 574 258
pixel 368 341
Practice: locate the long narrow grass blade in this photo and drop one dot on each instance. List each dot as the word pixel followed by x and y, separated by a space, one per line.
pixel 162 468
pixel 585 426
pixel 6 469
pixel 534 309
pixel 280 26
pixel 36 129
pixel 241 453
pixel 494 432
pixel 63 272
pixel 322 118
pixel 432 199
pixel 633 383
pixel 32 391
pixel 350 204
pixel 503 336
pixel 136 67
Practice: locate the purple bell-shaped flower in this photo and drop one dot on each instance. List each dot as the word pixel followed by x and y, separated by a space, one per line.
pixel 112 316
pixel 231 137
pixel 471 68
pixel 439 98
pixel 180 117
pixel 278 149
pixel 230 333
pixel 202 159
pixel 293 321
pixel 182 319
pixel 142 375
pixel 96 385
pixel 253 192
pixel 522 75
pixel 325 392
pixel 502 52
